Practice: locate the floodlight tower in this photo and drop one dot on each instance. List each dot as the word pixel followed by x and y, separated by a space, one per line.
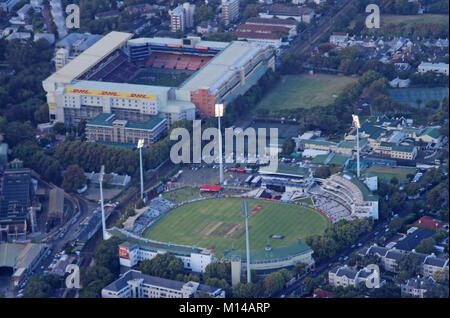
pixel 244 204
pixel 140 145
pixel 100 179
pixel 218 114
pixel 357 125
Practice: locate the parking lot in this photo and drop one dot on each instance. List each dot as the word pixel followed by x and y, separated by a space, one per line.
pixel 198 175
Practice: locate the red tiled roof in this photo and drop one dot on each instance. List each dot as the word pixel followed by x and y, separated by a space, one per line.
pixel 256 35
pixel 261 28
pixel 429 223
pixel 320 293
pixel 256 20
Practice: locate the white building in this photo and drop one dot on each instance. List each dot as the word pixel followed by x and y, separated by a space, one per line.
pixel 230 10
pixel 182 17
pixel 134 284
pixel 353 194
pixel 440 68
pixel 339 38
pixel 135 250
pixel 345 276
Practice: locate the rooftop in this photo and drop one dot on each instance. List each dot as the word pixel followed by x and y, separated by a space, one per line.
pixel 108 120
pixel 132 242
pixel 222 66
pixel 284 169
pixel 90 57
pixel 273 254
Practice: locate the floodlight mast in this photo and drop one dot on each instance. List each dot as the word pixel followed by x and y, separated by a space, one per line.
pixel 140 145
pixel 357 125
pixel 218 114
pixel 102 172
pixel 244 204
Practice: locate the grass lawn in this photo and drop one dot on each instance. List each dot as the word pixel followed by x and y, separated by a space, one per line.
pixel 183 194
pixel 413 19
pixel 148 77
pixel 305 200
pixel 305 91
pixel 219 223
pixel 387 173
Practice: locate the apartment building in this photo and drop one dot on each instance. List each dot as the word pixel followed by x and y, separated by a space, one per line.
pixel 106 128
pixel 134 284
pixel 230 11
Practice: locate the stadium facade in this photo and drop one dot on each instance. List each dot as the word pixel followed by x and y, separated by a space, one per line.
pixel 136 249
pixel 98 80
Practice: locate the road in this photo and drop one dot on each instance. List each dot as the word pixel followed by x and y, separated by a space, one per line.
pixel 300 46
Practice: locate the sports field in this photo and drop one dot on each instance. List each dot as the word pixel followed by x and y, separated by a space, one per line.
pixel 181 195
pixel 149 77
pixel 411 96
pixel 387 173
pixel 410 20
pixel 305 91
pixel 219 223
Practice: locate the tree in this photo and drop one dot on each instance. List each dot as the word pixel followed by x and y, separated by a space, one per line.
pixel 107 254
pixel 162 265
pixel 412 189
pixel 388 290
pixel 74 178
pixel 203 13
pixel 275 281
pixel 288 146
pixel 248 290
pixel 59 128
pixel 41 286
pixel 426 246
pixel 299 269
pixel 322 172
pixel 251 10
pixel 409 266
pixel 218 270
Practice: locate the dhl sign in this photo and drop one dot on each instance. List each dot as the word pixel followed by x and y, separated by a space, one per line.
pixel 101 93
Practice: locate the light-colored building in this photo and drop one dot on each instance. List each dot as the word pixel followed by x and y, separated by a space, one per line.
pixel 339 38
pixel 106 128
pixel 73 45
pixel 206 27
pixel 353 194
pixel 417 287
pixel 268 259
pixel 441 68
pixel 182 17
pixel 230 11
pixel 134 284
pixel 136 249
pixel 21 258
pixel 271 39
pixel 345 276
pixel 288 23
pixel 177 19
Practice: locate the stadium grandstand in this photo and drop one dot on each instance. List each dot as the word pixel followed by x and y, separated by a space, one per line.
pixel 100 79
pixel 351 193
